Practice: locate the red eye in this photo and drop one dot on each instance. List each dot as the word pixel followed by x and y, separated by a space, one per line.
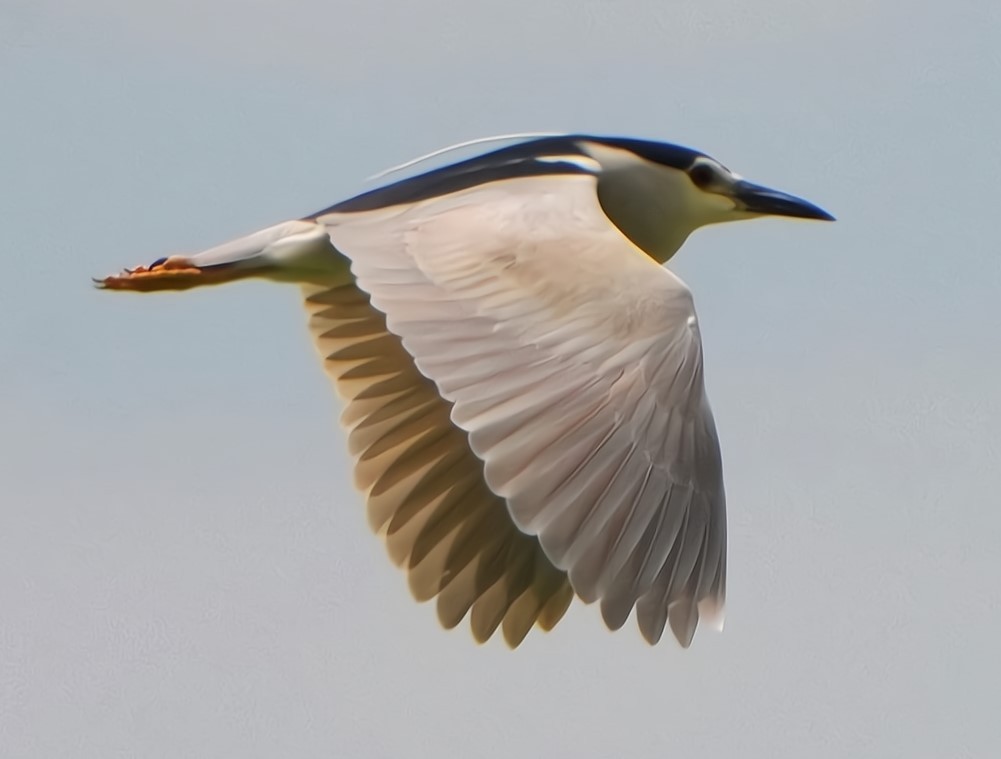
pixel 702 175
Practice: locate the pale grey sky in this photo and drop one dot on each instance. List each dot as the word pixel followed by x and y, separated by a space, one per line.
pixel 185 570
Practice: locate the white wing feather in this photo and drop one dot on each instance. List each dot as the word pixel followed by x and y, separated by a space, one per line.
pixel 574 364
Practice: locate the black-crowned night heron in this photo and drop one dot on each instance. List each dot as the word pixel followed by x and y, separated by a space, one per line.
pixel 522 378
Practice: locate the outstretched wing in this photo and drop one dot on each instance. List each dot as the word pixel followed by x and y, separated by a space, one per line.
pixel 573 366
pixel 424 487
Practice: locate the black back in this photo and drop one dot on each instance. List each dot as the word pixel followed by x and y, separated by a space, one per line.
pixel 525 159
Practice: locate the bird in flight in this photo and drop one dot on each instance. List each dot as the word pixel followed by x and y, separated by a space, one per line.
pixel 522 378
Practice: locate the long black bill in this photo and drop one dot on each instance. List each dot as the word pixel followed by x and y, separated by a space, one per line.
pixel 758 199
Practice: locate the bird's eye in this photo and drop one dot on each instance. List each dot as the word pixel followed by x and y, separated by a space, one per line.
pixel 702 175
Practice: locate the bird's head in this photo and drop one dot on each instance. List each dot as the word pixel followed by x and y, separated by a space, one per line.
pixel 658 193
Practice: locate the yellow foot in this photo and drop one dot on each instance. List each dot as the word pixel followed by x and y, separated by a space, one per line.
pixel 173 273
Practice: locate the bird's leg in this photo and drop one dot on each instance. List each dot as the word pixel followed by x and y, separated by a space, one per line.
pixel 293 251
pixel 170 273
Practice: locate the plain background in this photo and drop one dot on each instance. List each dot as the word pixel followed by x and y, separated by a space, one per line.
pixel 185 570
